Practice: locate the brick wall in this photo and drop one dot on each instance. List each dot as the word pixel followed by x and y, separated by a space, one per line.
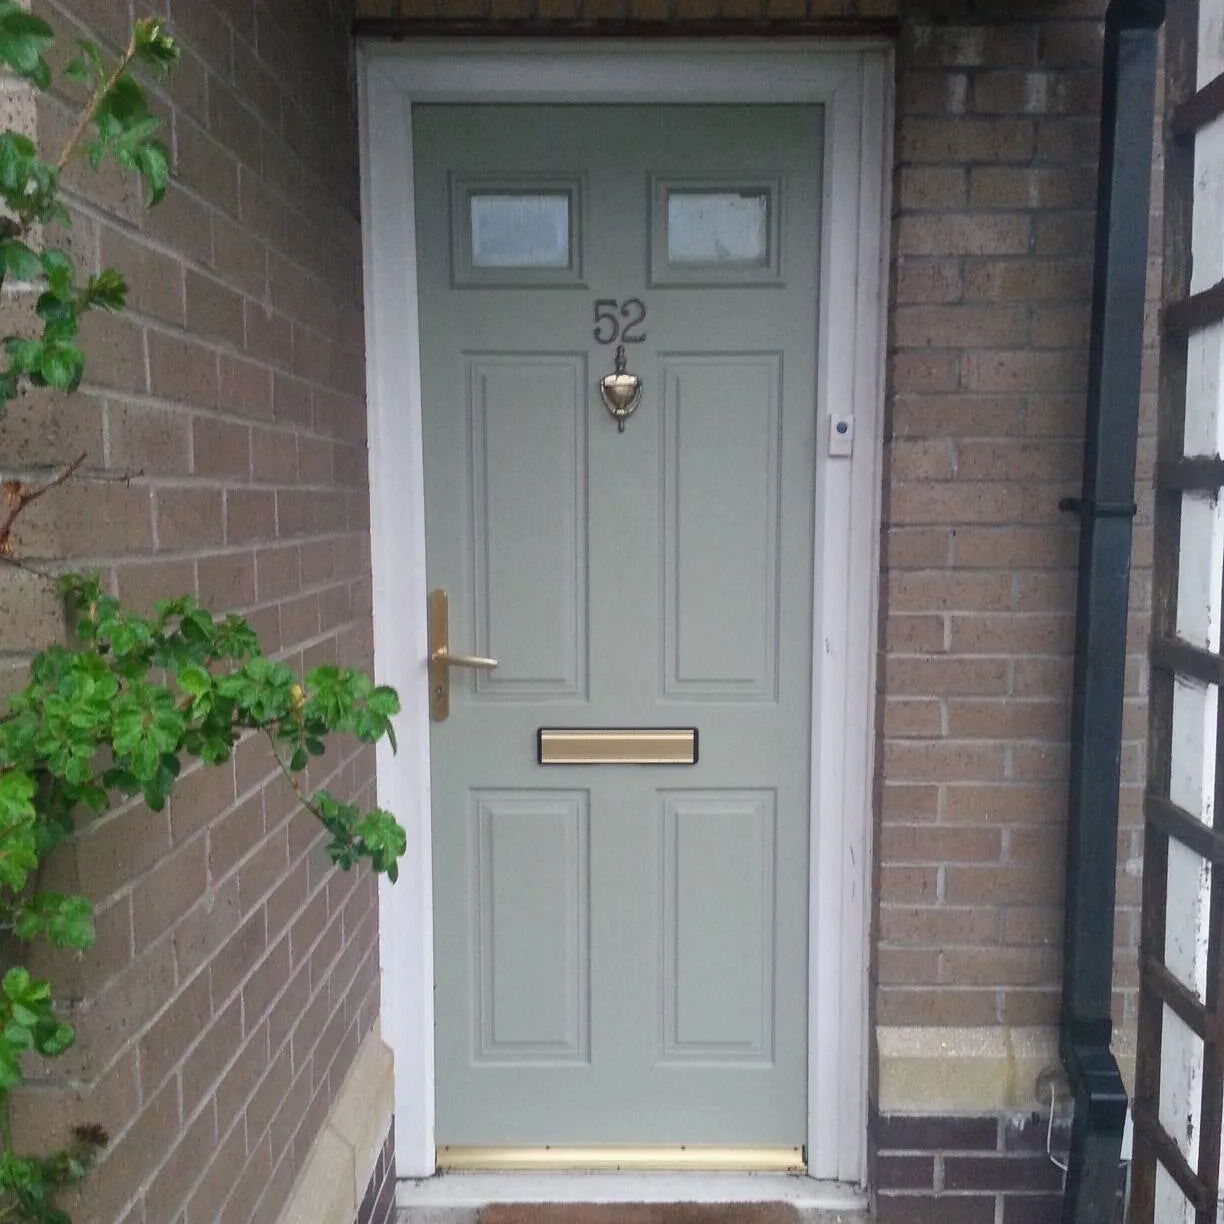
pixel 992 238
pixel 235 974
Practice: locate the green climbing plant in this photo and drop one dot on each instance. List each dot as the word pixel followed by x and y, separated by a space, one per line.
pixel 115 714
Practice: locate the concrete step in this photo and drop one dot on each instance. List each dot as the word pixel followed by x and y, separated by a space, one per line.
pixel 471 1215
pixel 456 1198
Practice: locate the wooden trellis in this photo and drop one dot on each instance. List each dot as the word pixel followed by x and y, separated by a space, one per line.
pixel 1179 1090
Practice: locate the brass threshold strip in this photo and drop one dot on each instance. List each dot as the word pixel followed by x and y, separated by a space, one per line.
pixel 696 1157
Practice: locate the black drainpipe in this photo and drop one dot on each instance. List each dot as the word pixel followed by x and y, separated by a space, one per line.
pixel 1106 510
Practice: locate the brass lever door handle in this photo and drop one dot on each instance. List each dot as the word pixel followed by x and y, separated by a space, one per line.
pixel 476 662
pixel 441 660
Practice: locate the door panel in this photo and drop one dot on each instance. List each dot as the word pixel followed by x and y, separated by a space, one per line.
pixel 528 447
pixel 720 471
pixel 533 927
pixel 621 952
pixel 718 926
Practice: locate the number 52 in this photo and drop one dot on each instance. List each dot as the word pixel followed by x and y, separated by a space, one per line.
pixel 609 314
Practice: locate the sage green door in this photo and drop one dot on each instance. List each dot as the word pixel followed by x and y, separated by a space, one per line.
pixel 621 950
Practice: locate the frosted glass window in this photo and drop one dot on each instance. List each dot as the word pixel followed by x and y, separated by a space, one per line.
pixel 727 228
pixel 520 231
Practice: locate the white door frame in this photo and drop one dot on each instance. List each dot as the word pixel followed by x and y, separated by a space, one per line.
pixel 853 81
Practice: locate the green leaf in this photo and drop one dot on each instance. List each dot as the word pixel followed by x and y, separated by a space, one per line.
pixel 16 796
pixel 63 366
pixel 23 39
pixel 24 354
pixel 59 271
pixel 15 983
pixel 384 700
pixel 19 261
pixel 153 165
pixel 18 1036
pixel 106 291
pixel 18 840
pixel 153 46
pixel 66 922
pixel 194 679
pixel 10 1068
pixel 53 309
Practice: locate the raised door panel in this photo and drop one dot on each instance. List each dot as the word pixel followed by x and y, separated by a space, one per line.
pixel 532 963
pixel 721 420
pixel 719 926
pixel 528 463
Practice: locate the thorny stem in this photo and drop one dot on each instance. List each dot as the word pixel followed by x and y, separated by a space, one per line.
pixel 23 496
pixel 91 110
pixel 297 790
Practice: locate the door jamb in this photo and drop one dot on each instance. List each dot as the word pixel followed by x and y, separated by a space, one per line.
pixel 853 80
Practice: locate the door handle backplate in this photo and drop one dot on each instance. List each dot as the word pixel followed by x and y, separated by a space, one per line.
pixel 441 659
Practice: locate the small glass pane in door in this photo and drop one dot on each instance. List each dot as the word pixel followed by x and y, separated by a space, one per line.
pixel 724 228
pixel 520 231
pixel 704 232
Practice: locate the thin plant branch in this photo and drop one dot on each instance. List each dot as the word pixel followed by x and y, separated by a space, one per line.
pixel 87 115
pixel 19 496
pixel 302 797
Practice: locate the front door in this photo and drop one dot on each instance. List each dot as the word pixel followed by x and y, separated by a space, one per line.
pixel 621 949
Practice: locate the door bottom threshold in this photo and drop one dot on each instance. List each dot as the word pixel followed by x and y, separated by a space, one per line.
pixel 468 1191
pixel 661 1159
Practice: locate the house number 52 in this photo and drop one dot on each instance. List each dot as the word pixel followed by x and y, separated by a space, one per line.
pixel 623 321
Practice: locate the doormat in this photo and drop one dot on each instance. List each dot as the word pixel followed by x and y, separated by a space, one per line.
pixel 639 1213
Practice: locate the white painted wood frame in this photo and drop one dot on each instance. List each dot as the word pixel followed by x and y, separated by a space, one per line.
pixel 1200 567
pixel 853 81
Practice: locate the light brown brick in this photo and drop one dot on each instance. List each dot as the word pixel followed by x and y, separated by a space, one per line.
pixel 206 167
pixel 919 279
pixel 1029 966
pixel 929 1005
pixel 949 591
pixel 1030 280
pixel 1035 93
pixel 213 310
pixel 182 371
pixel 936 416
pixel 959 140
pixel 941 926
pixel 226 581
pixel 964 234
pixel 174 1030
pixel 1008 719
pixel 978 326
pixel 188 518
pixel 154 280
pixel 926 677
pixel 1025 885
pixel 180 1170
pixel 927 762
pixel 168 892
pixel 1011 803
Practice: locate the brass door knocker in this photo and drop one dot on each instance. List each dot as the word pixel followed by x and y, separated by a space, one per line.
pixel 621 392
